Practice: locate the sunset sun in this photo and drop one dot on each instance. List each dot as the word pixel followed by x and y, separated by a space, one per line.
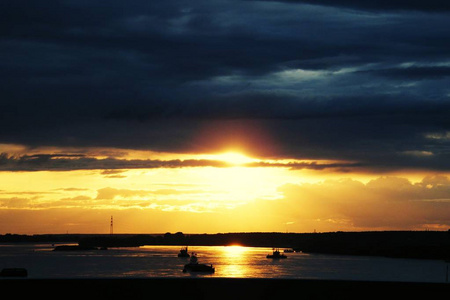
pixel 231 157
pixel 229 116
pixel 235 158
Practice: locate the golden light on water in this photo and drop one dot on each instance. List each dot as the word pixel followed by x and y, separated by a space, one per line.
pixel 235 261
pixel 240 261
pixel 234 250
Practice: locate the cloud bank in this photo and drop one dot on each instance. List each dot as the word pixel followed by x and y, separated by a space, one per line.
pixel 384 202
pixel 112 166
pixel 393 203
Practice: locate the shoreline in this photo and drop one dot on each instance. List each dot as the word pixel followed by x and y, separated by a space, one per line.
pixel 221 288
pixel 395 244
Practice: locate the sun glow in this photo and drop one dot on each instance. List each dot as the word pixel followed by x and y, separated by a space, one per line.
pixel 234 250
pixel 233 158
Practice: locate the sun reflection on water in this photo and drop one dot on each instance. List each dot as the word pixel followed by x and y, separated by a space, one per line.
pixel 234 250
pixel 234 262
pixel 241 262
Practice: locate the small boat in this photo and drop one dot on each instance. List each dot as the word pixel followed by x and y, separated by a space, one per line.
pixel 288 250
pixel 276 254
pixel 194 266
pixel 204 268
pixel 184 252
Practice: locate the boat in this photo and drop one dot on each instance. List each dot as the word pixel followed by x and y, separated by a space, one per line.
pixel 194 266
pixel 184 252
pixel 276 254
pixel 204 268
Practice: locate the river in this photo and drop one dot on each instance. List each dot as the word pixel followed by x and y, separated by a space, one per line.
pixel 229 261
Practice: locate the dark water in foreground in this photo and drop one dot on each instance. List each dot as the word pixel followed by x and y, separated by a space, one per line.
pixel 229 261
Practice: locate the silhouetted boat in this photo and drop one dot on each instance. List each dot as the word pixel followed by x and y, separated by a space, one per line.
pixel 194 266
pixel 184 252
pixel 276 254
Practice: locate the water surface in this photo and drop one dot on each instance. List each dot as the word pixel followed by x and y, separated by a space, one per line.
pixel 229 261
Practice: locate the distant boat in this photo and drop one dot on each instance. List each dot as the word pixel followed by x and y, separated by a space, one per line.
pixel 194 266
pixel 184 252
pixel 288 250
pixel 276 254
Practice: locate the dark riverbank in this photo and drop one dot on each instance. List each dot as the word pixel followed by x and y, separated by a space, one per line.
pixel 402 244
pixel 219 288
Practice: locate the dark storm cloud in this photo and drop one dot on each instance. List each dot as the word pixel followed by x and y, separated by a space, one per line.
pixel 361 81
pixel 51 162
pixel 114 166
pixel 415 73
pixel 384 5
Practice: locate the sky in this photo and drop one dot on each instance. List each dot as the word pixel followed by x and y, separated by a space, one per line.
pixel 224 116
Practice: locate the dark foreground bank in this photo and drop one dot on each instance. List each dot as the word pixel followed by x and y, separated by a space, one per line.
pixel 219 288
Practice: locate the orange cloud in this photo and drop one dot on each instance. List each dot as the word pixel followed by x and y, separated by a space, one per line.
pixel 382 203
